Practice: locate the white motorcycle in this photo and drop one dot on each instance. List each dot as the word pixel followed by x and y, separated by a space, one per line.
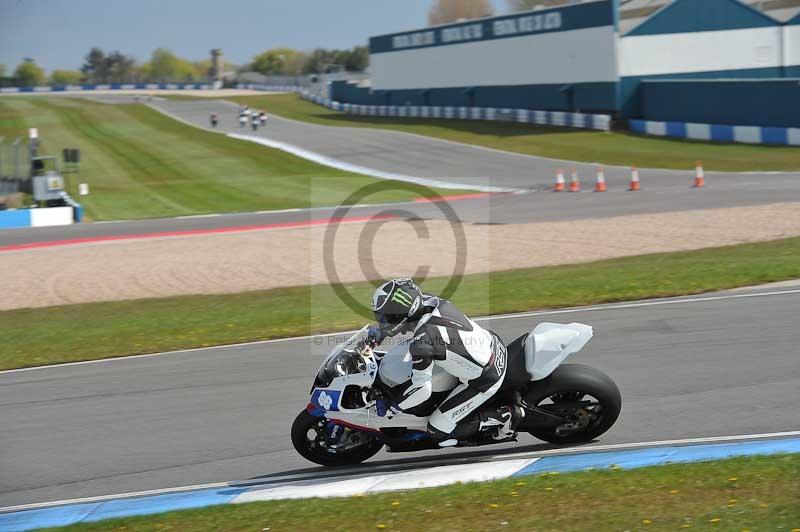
pixel 564 403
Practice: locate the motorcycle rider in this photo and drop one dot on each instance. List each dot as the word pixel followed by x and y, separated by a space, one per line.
pixel 445 337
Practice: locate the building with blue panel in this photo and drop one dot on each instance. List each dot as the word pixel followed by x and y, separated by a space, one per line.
pixel 700 40
pixel 576 58
pixel 553 59
pixel 791 32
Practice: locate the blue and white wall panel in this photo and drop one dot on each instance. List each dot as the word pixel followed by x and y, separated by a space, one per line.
pixel 109 86
pixel 700 39
pixel 791 46
pixel 42 217
pixel 547 48
pixel 782 136
pixel 704 51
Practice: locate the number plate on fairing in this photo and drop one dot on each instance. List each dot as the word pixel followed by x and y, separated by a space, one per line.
pixel 326 399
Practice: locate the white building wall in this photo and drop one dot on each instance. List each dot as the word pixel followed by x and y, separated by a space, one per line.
pixel 705 51
pixel 792 43
pixel 576 56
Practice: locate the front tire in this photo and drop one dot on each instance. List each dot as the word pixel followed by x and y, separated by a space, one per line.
pixel 586 395
pixel 308 440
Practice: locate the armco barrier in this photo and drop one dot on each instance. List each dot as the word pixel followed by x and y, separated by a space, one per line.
pixel 525 116
pixel 785 136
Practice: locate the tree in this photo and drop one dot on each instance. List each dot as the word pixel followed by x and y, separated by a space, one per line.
pixel 188 72
pixel 319 61
pixel 529 5
pixel 119 68
pixel 95 67
pixel 295 64
pixel 29 74
pixel 275 61
pixel 166 67
pixel 65 77
pixel 445 11
pixel 115 67
pixel 4 81
pixel 354 60
pixel 163 65
pixel 203 67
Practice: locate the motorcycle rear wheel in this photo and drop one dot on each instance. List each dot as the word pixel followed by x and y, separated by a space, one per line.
pixel 571 384
pixel 312 449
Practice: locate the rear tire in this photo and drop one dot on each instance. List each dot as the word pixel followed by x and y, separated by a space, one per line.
pixel 571 380
pixel 310 449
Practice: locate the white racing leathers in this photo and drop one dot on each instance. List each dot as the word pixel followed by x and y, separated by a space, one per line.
pixel 447 338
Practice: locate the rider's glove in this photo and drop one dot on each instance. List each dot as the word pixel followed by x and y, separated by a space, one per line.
pixel 374 336
pixel 385 407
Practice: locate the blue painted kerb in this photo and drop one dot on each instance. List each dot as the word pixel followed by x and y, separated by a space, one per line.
pixel 631 459
pixel 626 459
pixel 96 511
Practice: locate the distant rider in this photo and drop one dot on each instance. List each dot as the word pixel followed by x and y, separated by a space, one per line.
pixel 443 336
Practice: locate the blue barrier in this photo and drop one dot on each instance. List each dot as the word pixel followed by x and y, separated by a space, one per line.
pixel 15 218
pixel 781 136
pixel 111 86
pixel 549 118
pixel 42 217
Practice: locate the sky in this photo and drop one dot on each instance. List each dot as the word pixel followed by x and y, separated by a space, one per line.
pixel 59 33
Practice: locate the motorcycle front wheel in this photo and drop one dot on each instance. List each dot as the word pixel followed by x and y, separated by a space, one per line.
pixel 310 439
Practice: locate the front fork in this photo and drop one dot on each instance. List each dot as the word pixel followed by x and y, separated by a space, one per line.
pixel 335 434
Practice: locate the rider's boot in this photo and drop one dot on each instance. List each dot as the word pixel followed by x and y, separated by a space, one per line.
pixel 465 429
pixel 502 421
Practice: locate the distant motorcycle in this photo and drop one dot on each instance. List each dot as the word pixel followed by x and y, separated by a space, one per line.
pixel 563 404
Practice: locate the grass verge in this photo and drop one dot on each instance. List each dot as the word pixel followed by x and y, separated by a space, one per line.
pixel 140 163
pixel 615 148
pixel 34 337
pixel 753 493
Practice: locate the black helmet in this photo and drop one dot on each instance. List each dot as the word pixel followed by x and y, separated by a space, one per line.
pixel 395 303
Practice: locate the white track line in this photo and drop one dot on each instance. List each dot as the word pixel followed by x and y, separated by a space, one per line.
pixel 348 167
pixel 334 163
pixel 640 304
pixel 358 470
pixel 597 308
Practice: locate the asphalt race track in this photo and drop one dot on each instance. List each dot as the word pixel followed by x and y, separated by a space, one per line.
pixel 414 155
pixel 712 365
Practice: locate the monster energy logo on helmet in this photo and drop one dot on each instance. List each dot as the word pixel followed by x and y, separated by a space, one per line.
pixel 402 297
pixel 394 303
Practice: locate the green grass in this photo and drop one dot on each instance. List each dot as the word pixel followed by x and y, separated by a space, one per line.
pixel 142 164
pixel 616 148
pixel 752 493
pixel 52 335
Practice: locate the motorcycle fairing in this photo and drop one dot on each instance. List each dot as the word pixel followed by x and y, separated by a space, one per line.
pixel 326 399
pixel 549 344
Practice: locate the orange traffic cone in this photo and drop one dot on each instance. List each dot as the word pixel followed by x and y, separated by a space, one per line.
pixel 559 187
pixel 574 184
pixel 699 176
pixel 635 184
pixel 600 183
